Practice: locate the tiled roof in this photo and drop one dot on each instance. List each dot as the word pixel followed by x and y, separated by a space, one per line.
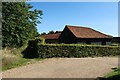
pixel 85 32
pixel 51 36
pixel 79 32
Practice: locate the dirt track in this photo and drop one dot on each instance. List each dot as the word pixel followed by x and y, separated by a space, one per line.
pixel 65 68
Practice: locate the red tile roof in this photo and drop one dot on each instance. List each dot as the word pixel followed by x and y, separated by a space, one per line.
pixel 79 32
pixel 84 32
pixel 51 36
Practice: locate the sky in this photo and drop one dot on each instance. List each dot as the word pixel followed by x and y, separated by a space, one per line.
pixel 101 16
pixel 72 0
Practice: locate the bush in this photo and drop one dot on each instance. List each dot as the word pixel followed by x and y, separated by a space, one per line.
pixel 40 40
pixel 31 50
pixel 36 41
pixel 37 48
pixel 75 50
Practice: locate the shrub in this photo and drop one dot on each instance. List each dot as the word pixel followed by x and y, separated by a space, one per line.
pixel 40 40
pixel 36 41
pixel 37 48
pixel 72 50
pixel 31 50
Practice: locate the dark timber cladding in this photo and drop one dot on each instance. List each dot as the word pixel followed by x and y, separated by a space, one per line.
pixel 76 34
pixel 116 39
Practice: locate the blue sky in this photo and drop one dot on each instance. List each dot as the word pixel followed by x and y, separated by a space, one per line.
pixel 101 16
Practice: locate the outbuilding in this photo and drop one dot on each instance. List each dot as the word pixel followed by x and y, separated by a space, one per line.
pixel 78 34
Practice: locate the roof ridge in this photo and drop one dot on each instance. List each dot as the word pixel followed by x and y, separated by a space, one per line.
pixel 69 27
pixel 51 33
pixel 77 26
pixel 54 33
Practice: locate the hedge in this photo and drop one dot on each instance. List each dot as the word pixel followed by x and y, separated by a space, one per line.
pixel 69 50
pixel 32 49
pixel 37 48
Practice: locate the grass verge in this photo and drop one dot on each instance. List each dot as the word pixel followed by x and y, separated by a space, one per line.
pixel 114 75
pixel 12 58
pixel 18 63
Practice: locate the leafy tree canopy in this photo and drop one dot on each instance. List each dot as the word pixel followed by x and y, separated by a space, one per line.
pixel 43 33
pixel 51 32
pixel 18 23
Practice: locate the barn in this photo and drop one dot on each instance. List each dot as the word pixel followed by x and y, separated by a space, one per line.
pixel 51 38
pixel 116 40
pixel 78 34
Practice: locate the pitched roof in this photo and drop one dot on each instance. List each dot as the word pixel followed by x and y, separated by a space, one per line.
pixel 51 36
pixel 85 32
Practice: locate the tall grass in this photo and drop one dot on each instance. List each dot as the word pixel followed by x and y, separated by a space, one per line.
pixel 12 57
pixel 9 57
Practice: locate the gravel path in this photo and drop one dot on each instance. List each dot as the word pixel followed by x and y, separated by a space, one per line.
pixel 65 68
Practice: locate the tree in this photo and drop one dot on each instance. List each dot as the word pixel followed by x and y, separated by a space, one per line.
pixel 43 33
pixel 58 31
pixel 18 23
pixel 51 32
